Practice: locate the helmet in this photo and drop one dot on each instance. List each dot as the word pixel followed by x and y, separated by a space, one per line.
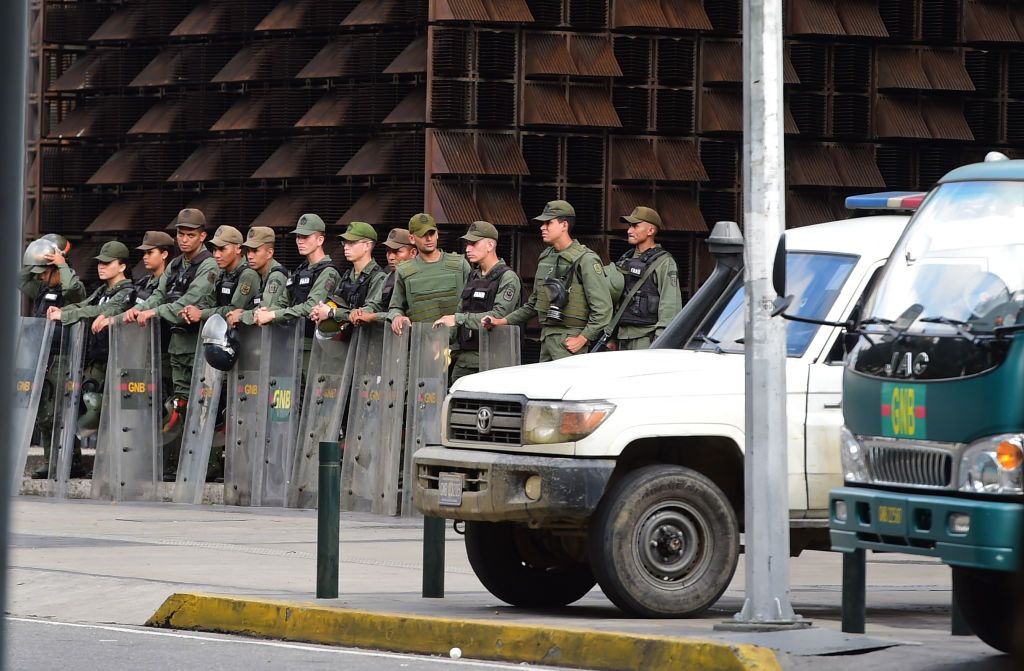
pixel 63 244
pixel 37 251
pixel 328 327
pixel 220 347
pixel 89 420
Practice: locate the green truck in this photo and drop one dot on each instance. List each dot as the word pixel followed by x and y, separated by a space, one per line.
pixel 932 445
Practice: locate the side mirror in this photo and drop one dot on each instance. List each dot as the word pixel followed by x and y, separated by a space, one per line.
pixel 780 305
pixel 779 267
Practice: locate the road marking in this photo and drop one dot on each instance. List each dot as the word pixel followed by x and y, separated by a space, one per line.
pixel 287 646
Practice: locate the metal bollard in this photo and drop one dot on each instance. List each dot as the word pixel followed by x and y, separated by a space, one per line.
pixel 433 557
pixel 328 521
pixel 854 588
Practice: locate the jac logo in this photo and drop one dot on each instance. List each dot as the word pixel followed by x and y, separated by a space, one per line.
pixel 903 364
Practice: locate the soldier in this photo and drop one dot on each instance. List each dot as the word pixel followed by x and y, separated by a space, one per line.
pixel 46 278
pixel 440 278
pixel 157 248
pixel 657 300
pixel 362 283
pixel 114 296
pixel 311 283
pixel 399 250
pixel 188 280
pixel 492 291
pixel 259 246
pixel 571 296
pixel 238 284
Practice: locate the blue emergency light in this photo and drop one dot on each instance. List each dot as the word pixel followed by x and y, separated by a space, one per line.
pixel 887 200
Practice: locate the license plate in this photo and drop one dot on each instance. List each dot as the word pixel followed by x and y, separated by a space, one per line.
pixel 890 515
pixel 449 489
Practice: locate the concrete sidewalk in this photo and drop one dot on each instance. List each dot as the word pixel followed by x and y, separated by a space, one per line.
pixel 118 563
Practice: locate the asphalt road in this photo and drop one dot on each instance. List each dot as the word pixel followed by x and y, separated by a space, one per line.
pixel 41 645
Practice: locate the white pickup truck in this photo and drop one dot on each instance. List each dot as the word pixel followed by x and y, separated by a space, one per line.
pixel 626 468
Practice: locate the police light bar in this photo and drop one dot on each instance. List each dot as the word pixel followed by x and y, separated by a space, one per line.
pixel 887 200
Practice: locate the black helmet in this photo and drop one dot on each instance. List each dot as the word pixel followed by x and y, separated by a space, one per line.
pixel 220 347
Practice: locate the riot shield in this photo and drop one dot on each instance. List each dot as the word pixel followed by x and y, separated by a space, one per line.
pixel 129 452
pixel 359 486
pixel 70 369
pixel 328 380
pixel 394 375
pixel 429 357
pixel 197 434
pixel 499 347
pixel 246 418
pixel 280 399
pixel 32 352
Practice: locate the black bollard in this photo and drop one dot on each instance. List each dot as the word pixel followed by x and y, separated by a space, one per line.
pixel 328 521
pixel 433 557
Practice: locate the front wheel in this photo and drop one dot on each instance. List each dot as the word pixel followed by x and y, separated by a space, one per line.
pixel 986 602
pixel 664 542
pixel 525 567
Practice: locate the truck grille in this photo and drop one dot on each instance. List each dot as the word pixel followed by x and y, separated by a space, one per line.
pixel 506 420
pixel 917 466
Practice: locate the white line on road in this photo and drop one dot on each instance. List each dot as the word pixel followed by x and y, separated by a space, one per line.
pixel 289 646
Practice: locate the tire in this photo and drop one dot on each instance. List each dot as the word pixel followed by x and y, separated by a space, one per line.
pixel 664 542
pixel 986 603
pixel 524 567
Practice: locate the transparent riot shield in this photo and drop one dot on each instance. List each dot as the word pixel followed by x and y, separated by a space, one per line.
pixel 129 451
pixel 32 352
pixel 197 434
pixel 70 369
pixel 429 357
pixel 245 418
pixel 394 375
pixel 328 380
pixel 280 399
pixel 359 486
pixel 499 347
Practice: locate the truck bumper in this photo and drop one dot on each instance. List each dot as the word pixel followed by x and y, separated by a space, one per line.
pixel 920 524
pixel 494 489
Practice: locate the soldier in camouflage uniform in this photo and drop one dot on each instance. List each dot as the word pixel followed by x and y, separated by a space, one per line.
pixel 362 283
pixel 237 285
pixel 493 290
pixel 113 297
pixel 571 296
pixel 273 292
pixel 157 249
pixel 429 286
pixel 399 250
pixel 188 280
pixel 658 300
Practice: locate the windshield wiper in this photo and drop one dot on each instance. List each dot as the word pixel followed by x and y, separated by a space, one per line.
pixel 962 328
pixel 707 340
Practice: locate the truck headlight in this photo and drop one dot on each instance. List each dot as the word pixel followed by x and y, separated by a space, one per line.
pixel 562 421
pixel 855 468
pixel 993 465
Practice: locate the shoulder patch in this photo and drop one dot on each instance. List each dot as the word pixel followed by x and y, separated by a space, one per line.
pixel 330 284
pixel 509 293
pixel 245 288
pixel 598 268
pixel 673 278
pixel 211 276
pixel 272 287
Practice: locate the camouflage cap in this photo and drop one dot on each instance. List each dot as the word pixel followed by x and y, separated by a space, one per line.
pixel 398 238
pixel 359 230
pixel 556 209
pixel 259 236
pixel 309 224
pixel 641 213
pixel 112 251
pixel 480 230
pixel 190 218
pixel 155 239
pixel 226 235
pixel 422 223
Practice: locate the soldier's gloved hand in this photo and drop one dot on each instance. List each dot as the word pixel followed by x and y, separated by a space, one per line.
pixel 234 317
pixel 53 313
pixel 191 314
pixel 100 323
pixel 447 320
pixel 490 322
pixel 398 323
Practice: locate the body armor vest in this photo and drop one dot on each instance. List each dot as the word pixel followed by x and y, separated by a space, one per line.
pixel 226 284
pixel 180 277
pixel 389 288
pixel 145 288
pixel 97 345
pixel 564 266
pixel 353 292
pixel 300 284
pixel 478 296
pixel 51 296
pixel 276 269
pixel 643 306
pixel 433 290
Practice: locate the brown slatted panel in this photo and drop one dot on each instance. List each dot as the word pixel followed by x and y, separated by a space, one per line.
pixel 101 68
pixel 455 153
pixel 387 154
pixel 679 212
pixel 191 112
pixel 680 14
pixel 101 117
pixel 376 13
pixel 861 18
pixel 721 111
pixel 634 158
pixel 206 18
pixel 500 154
pixel 141 163
pixel 454 203
pixel 896 117
pixel 412 109
pixel 813 17
pixel 227 159
pixel 500 205
pixel 985 22
pixel 548 54
pixel 679 160
pixel 481 11
pixel 856 166
pixel 811 165
pixel 593 107
pixel 545 104
pixel 900 69
pixel 412 60
pixel 945 70
pixel 185 64
pixel 945 120
pixel 806 208
pixel 593 56
pixel 272 59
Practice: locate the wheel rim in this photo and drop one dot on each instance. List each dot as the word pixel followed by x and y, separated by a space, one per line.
pixel 672 545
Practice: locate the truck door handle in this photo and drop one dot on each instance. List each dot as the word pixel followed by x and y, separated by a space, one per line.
pixel 834 405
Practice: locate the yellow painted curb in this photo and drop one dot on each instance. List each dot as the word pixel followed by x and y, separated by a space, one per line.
pixel 311 623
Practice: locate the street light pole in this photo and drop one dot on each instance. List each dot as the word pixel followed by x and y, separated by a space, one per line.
pixel 766 532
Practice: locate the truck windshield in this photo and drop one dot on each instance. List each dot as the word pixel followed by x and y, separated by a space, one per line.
pixel 814 279
pixel 960 260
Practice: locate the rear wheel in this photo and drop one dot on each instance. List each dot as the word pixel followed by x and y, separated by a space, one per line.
pixel 664 542
pixel 986 602
pixel 526 567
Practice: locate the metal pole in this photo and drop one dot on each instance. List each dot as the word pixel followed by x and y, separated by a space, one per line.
pixel 433 558
pixel 854 587
pixel 767 495
pixel 328 521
